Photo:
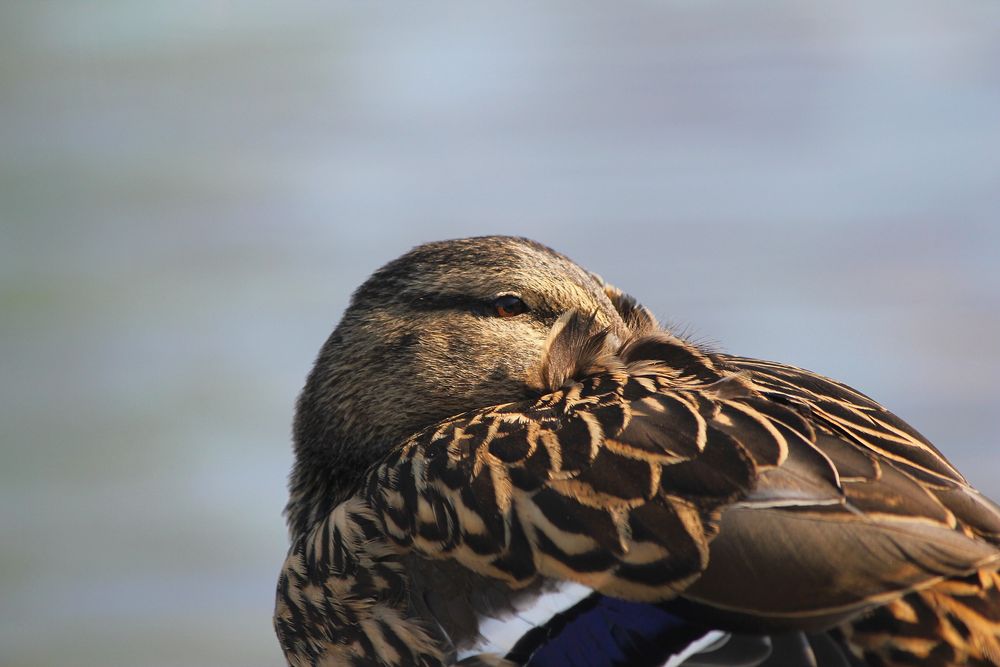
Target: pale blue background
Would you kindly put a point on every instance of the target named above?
(189, 193)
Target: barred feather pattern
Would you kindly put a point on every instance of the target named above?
(956, 622)
(953, 622)
(620, 478)
(341, 598)
(613, 481)
(878, 433)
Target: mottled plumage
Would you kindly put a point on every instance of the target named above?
(454, 465)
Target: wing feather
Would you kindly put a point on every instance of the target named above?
(608, 480)
(618, 478)
(654, 470)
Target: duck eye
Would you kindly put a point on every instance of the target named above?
(509, 305)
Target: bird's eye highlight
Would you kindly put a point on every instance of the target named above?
(509, 305)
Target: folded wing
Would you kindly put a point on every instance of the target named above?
(751, 492)
(622, 476)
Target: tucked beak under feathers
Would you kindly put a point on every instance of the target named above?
(493, 434)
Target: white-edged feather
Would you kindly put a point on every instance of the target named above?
(708, 642)
(499, 634)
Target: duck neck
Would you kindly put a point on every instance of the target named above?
(330, 460)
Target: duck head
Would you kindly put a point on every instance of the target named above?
(448, 327)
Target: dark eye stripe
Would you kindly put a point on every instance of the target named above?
(509, 305)
(431, 302)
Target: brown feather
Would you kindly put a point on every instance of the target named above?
(580, 441)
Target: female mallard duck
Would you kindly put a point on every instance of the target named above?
(501, 459)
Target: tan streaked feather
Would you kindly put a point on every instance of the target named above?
(764, 496)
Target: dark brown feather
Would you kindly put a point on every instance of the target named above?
(599, 448)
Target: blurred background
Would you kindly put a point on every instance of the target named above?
(190, 191)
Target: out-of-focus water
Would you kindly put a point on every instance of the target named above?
(189, 193)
